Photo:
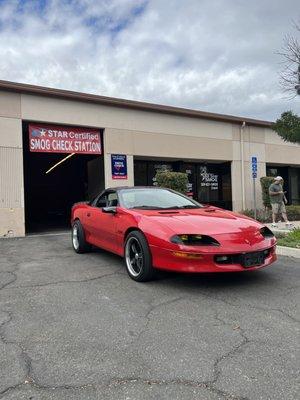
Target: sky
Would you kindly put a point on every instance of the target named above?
(211, 55)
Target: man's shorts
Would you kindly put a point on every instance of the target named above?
(278, 208)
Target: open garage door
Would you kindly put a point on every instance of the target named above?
(55, 179)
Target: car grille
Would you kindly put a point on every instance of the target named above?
(246, 260)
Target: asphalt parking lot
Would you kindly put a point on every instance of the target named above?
(76, 327)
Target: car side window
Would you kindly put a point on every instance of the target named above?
(107, 199)
(101, 201)
(112, 199)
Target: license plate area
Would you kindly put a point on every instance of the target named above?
(252, 259)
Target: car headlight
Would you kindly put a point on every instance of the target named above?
(266, 233)
(194, 240)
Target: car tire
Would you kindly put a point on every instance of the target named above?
(138, 259)
(78, 239)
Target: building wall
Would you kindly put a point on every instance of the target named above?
(134, 133)
(11, 166)
(38, 108)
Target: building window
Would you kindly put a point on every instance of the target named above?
(208, 183)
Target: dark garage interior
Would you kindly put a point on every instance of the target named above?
(49, 197)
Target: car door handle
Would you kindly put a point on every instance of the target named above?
(88, 214)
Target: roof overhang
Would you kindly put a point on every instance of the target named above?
(123, 103)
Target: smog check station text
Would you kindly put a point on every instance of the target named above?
(51, 139)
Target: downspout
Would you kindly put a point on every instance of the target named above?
(242, 165)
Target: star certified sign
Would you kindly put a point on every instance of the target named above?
(62, 139)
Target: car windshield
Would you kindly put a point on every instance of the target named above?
(156, 199)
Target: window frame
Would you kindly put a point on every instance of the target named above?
(105, 193)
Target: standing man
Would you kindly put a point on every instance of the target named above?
(278, 201)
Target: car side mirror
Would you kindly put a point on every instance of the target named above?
(109, 210)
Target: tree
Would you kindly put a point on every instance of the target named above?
(288, 125)
(290, 74)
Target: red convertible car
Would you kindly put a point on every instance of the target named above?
(158, 228)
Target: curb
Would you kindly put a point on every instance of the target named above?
(287, 251)
(281, 231)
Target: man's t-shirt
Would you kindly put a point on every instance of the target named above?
(276, 198)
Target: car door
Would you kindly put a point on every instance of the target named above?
(101, 225)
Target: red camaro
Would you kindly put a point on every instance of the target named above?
(157, 228)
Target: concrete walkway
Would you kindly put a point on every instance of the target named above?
(282, 228)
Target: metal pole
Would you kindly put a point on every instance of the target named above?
(242, 164)
(254, 198)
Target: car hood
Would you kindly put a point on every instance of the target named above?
(211, 221)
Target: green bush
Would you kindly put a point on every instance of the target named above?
(291, 240)
(262, 215)
(293, 212)
(265, 182)
(173, 180)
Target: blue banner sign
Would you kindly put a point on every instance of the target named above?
(118, 166)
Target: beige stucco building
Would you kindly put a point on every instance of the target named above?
(215, 150)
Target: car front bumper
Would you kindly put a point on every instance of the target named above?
(168, 259)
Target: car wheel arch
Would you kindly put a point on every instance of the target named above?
(82, 245)
(131, 229)
(77, 219)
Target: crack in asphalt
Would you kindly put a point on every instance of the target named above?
(182, 382)
(10, 272)
(25, 359)
(14, 275)
(292, 287)
(229, 303)
(5, 286)
(209, 385)
(151, 309)
(118, 381)
(216, 369)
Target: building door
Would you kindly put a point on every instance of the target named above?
(208, 184)
(140, 173)
(190, 169)
(295, 185)
(214, 184)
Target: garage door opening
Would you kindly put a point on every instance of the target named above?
(50, 196)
